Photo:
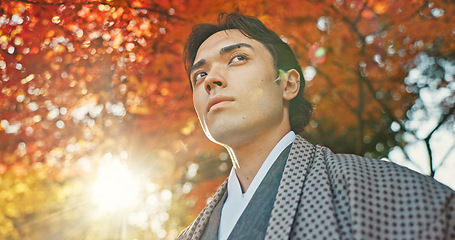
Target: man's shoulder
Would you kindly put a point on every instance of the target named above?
(195, 230)
(357, 170)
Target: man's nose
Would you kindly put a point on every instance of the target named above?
(214, 79)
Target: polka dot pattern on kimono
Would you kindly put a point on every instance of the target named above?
(298, 164)
(342, 196)
(350, 197)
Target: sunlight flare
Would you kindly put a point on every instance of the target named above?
(115, 186)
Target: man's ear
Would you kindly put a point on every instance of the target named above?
(292, 85)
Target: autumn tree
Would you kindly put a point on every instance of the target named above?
(91, 86)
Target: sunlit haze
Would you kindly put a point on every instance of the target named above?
(115, 186)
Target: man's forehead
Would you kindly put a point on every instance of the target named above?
(217, 41)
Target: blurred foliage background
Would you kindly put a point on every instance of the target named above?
(98, 136)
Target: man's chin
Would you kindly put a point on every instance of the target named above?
(224, 134)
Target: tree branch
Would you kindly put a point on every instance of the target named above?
(357, 19)
(359, 111)
(445, 117)
(427, 139)
(329, 80)
(430, 157)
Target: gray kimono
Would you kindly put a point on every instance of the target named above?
(322, 195)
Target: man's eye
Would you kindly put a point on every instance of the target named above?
(198, 76)
(238, 58)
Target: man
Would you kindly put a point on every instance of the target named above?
(248, 93)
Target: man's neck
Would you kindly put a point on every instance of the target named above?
(248, 158)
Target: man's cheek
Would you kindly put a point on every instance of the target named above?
(257, 93)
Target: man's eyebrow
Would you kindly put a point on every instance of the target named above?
(197, 65)
(222, 51)
(234, 46)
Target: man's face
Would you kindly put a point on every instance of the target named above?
(234, 90)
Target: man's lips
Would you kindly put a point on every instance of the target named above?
(216, 100)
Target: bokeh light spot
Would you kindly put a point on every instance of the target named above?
(3, 168)
(309, 73)
(437, 12)
(27, 79)
(317, 54)
(129, 47)
(324, 23)
(56, 19)
(395, 126)
(381, 8)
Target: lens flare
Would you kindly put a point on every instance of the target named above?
(115, 187)
(317, 54)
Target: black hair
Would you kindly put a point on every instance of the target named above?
(300, 109)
